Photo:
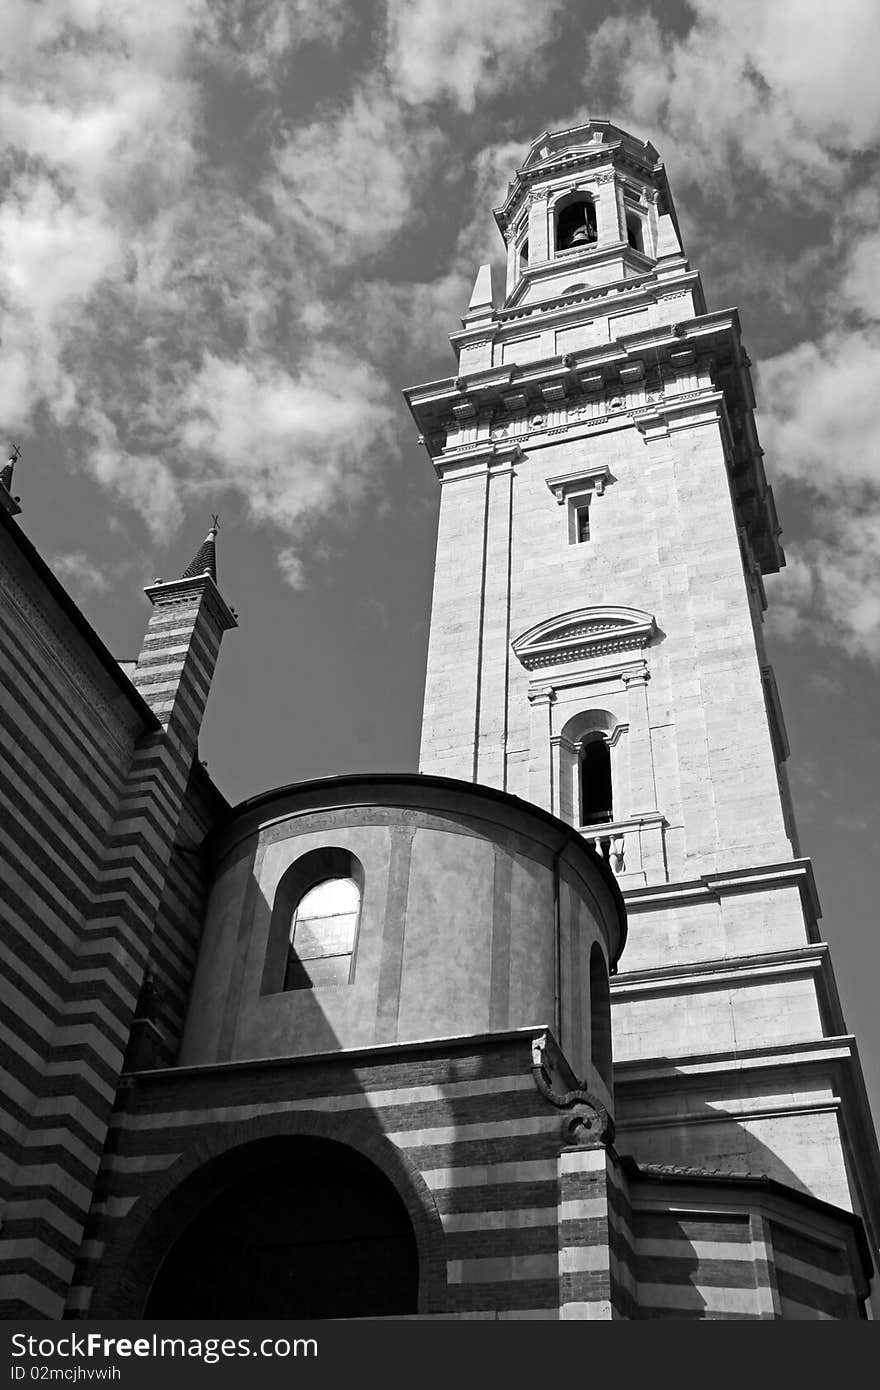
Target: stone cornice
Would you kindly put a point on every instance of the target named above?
(654, 345)
(564, 153)
(795, 873)
(180, 591)
(671, 979)
(581, 635)
(634, 379)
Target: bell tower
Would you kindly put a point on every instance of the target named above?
(597, 649)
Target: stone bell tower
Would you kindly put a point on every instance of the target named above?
(596, 648)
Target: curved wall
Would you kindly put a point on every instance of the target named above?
(461, 890)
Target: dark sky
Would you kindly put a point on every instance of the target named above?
(232, 230)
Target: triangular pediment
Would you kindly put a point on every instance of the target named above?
(585, 633)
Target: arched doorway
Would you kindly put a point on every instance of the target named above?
(309, 1229)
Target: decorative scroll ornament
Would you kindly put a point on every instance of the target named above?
(589, 1124)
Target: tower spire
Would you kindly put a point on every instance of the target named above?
(205, 559)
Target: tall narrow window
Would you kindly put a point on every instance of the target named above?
(576, 225)
(634, 232)
(600, 1015)
(322, 935)
(595, 774)
(582, 523)
(524, 255)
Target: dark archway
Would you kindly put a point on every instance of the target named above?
(309, 1229)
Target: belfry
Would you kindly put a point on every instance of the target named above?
(596, 648)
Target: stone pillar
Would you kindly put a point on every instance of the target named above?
(642, 788)
(491, 760)
(541, 788)
(539, 231)
(607, 212)
(596, 1280)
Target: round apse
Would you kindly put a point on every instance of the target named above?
(312, 1231)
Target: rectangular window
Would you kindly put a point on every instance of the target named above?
(582, 524)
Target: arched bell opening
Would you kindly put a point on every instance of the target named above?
(308, 1228)
(576, 225)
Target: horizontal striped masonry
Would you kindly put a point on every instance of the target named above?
(96, 808)
(472, 1125)
(175, 943)
(523, 1226)
(726, 1264)
(596, 1255)
(813, 1278)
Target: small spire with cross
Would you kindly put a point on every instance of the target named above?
(205, 559)
(7, 500)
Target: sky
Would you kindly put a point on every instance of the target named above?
(232, 230)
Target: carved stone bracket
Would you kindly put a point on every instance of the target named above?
(589, 1124)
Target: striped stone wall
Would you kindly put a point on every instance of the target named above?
(177, 934)
(735, 1247)
(512, 1219)
(476, 1148)
(95, 775)
(67, 731)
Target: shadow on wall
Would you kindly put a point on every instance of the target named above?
(308, 1123)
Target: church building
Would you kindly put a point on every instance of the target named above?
(544, 1030)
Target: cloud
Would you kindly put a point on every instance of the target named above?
(774, 86)
(351, 180)
(78, 572)
(153, 299)
(295, 446)
(765, 110)
(817, 426)
(256, 38)
(421, 314)
(466, 52)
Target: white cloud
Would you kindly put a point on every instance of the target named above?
(464, 51)
(350, 182)
(256, 38)
(818, 428)
(821, 399)
(78, 572)
(149, 297)
(295, 446)
(776, 85)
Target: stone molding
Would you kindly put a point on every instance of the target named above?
(585, 633)
(588, 478)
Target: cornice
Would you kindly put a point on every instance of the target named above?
(792, 873)
(186, 591)
(734, 970)
(583, 634)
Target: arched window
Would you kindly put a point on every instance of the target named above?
(600, 1015)
(634, 233)
(595, 780)
(524, 255)
(322, 935)
(576, 225)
